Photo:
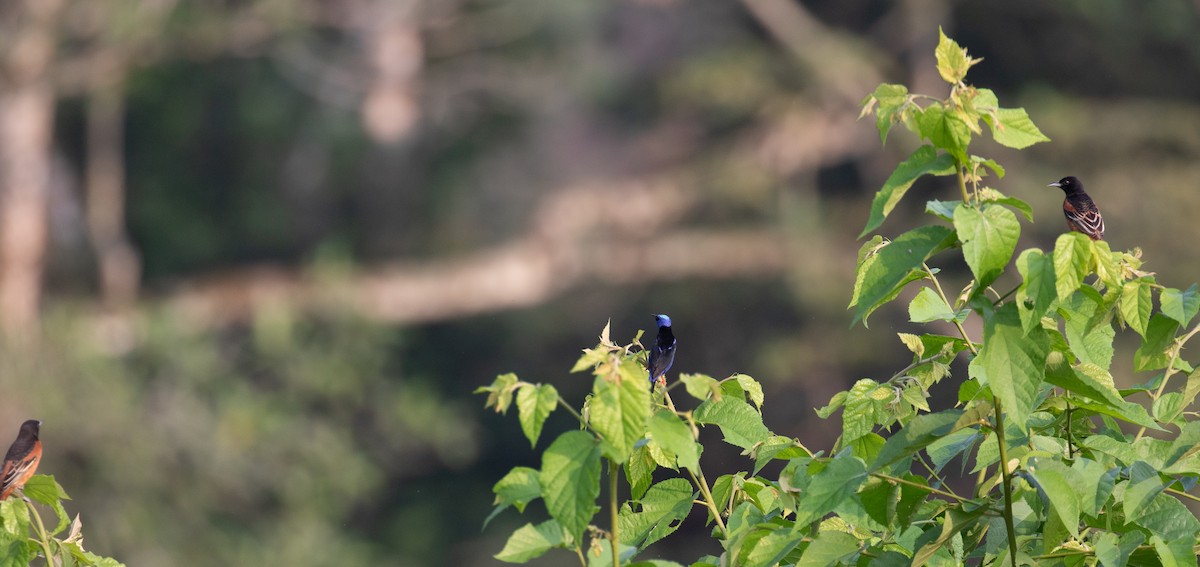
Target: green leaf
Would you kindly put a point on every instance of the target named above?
(1011, 127)
(956, 521)
(1185, 444)
(989, 238)
(740, 424)
(752, 389)
(570, 479)
(925, 160)
(893, 264)
(1169, 519)
(43, 488)
(1144, 484)
(1096, 384)
(891, 99)
(1175, 553)
(942, 209)
(830, 488)
(675, 436)
(1135, 305)
(535, 404)
(1152, 355)
(639, 471)
(700, 386)
(1013, 364)
(1115, 553)
(1093, 484)
(619, 408)
(1180, 305)
(1058, 484)
(777, 447)
(952, 60)
(1091, 344)
(769, 549)
(657, 514)
(518, 488)
(829, 548)
(946, 130)
(530, 541)
(918, 434)
(929, 306)
(1072, 261)
(864, 408)
(500, 393)
(1037, 291)
(17, 554)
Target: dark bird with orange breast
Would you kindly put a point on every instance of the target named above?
(22, 458)
(1082, 213)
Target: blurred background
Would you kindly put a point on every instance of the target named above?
(255, 255)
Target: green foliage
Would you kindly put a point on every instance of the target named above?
(1059, 481)
(24, 537)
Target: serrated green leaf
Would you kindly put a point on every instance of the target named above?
(891, 100)
(500, 393)
(570, 480)
(1185, 444)
(619, 408)
(768, 547)
(928, 306)
(1167, 407)
(1152, 354)
(1090, 344)
(863, 410)
(518, 488)
(956, 521)
(924, 161)
(918, 434)
(639, 471)
(1180, 305)
(1058, 483)
(1073, 261)
(892, 265)
(534, 404)
(946, 130)
(1013, 363)
(1037, 291)
(989, 238)
(1094, 484)
(952, 445)
(835, 403)
(530, 541)
(831, 487)
(1011, 127)
(675, 436)
(952, 60)
(1135, 305)
(657, 514)
(739, 422)
(942, 209)
(752, 389)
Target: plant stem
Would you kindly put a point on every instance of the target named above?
(962, 183)
(571, 411)
(1007, 478)
(612, 504)
(41, 528)
(582, 559)
(1179, 342)
(937, 285)
(1183, 494)
(934, 474)
(920, 486)
(708, 499)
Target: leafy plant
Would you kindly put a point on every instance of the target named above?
(24, 537)
(1064, 473)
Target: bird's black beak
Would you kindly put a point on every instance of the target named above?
(1055, 184)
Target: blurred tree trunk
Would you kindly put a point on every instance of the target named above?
(117, 260)
(26, 128)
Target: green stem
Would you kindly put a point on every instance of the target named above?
(962, 183)
(934, 474)
(571, 411)
(708, 498)
(1183, 494)
(1007, 478)
(920, 486)
(582, 559)
(1179, 342)
(41, 528)
(938, 286)
(613, 512)
(1070, 443)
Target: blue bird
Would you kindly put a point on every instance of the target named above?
(662, 354)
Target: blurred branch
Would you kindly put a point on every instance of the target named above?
(606, 234)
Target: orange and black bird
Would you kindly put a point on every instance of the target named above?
(1081, 212)
(22, 458)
